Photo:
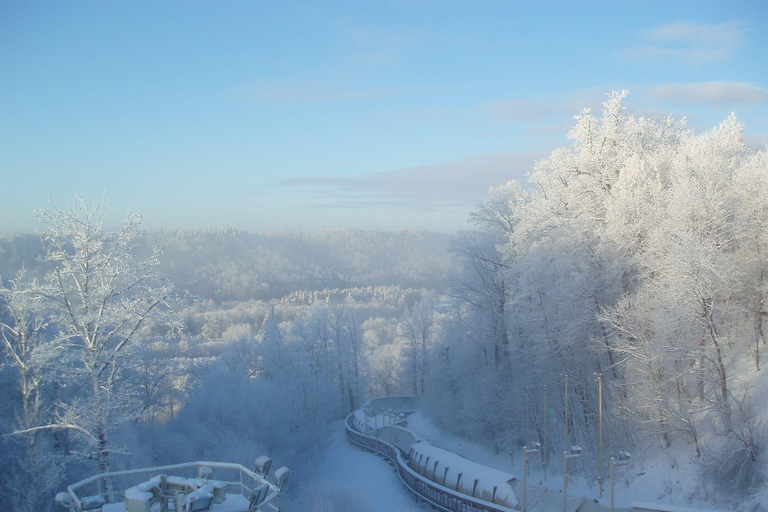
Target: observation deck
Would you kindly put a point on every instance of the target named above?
(201, 486)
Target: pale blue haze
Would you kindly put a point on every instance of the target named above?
(382, 115)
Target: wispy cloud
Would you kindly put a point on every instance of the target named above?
(691, 44)
(548, 116)
(544, 109)
(711, 93)
(535, 113)
(693, 34)
(460, 184)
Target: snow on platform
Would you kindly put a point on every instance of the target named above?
(233, 503)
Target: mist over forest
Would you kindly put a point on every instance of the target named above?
(639, 253)
(233, 265)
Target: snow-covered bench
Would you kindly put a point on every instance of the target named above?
(200, 500)
(144, 496)
(87, 503)
(141, 497)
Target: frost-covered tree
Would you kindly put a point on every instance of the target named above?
(99, 294)
(274, 359)
(415, 330)
(640, 255)
(35, 471)
(484, 287)
(699, 277)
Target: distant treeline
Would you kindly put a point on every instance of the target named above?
(232, 265)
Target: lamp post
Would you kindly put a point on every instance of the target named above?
(566, 412)
(546, 430)
(527, 423)
(575, 454)
(624, 458)
(599, 379)
(512, 437)
(535, 448)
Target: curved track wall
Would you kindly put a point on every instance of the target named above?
(437, 495)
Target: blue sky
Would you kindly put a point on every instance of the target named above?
(328, 115)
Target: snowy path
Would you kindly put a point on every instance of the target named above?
(350, 479)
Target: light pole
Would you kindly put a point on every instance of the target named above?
(527, 423)
(566, 412)
(599, 379)
(624, 458)
(535, 448)
(546, 431)
(575, 454)
(512, 436)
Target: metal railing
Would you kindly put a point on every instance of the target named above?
(235, 477)
(406, 404)
(437, 495)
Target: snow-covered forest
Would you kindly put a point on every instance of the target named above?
(637, 253)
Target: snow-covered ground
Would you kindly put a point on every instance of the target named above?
(348, 479)
(668, 479)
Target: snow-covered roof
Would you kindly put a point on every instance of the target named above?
(665, 507)
(487, 478)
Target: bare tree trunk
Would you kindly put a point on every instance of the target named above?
(720, 366)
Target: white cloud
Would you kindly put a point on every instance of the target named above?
(699, 35)
(691, 44)
(460, 184)
(711, 93)
(539, 113)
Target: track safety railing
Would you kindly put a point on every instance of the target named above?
(437, 495)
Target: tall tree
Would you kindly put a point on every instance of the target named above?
(36, 471)
(99, 294)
